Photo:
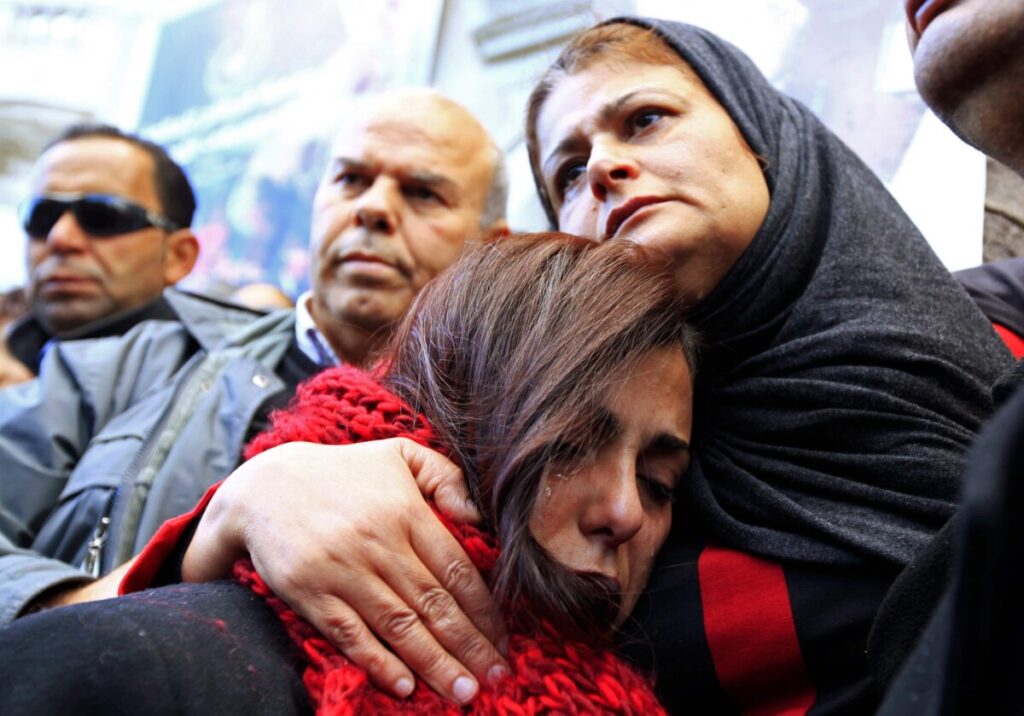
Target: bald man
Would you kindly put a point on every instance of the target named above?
(412, 176)
(125, 441)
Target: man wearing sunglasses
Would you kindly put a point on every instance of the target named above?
(107, 227)
(118, 435)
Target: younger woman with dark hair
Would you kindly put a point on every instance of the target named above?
(557, 373)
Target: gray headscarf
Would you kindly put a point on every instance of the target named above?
(846, 371)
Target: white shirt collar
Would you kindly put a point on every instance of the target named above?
(311, 342)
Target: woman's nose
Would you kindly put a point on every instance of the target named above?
(615, 513)
(610, 165)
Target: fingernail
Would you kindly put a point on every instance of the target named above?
(496, 673)
(464, 689)
(404, 687)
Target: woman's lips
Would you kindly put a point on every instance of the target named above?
(622, 213)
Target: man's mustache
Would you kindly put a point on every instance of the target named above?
(69, 266)
(367, 244)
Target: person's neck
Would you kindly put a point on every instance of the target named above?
(352, 344)
(1017, 165)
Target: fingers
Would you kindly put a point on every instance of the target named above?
(405, 631)
(454, 598)
(347, 631)
(361, 614)
(365, 561)
(440, 479)
(440, 552)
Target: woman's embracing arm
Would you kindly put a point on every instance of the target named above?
(345, 536)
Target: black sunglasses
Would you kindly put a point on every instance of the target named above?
(100, 215)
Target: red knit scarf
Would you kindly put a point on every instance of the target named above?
(547, 673)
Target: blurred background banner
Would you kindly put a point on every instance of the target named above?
(245, 94)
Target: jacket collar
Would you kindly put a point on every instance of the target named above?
(27, 339)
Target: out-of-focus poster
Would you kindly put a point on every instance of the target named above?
(245, 94)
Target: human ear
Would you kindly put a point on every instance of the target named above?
(497, 230)
(180, 256)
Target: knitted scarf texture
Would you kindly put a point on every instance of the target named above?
(548, 674)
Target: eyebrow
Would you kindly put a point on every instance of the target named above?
(606, 426)
(430, 179)
(349, 163)
(665, 442)
(570, 143)
(420, 178)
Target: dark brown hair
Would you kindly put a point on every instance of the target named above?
(614, 42)
(508, 353)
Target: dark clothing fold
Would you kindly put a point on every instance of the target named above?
(199, 649)
(970, 659)
(846, 371)
(998, 289)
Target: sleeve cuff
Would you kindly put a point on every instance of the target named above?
(168, 541)
(26, 576)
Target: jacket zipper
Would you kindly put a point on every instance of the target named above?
(91, 563)
(187, 396)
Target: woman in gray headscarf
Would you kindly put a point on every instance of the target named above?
(845, 374)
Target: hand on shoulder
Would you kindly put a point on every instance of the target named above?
(344, 535)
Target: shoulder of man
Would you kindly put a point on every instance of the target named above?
(116, 370)
(210, 320)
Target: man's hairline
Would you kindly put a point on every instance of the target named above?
(153, 168)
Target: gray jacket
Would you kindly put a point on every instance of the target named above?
(119, 434)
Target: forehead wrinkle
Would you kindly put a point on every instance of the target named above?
(454, 141)
(409, 131)
(351, 163)
(127, 171)
(608, 111)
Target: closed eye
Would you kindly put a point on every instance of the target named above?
(657, 491)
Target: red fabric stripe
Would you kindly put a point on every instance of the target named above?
(1014, 342)
(749, 626)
